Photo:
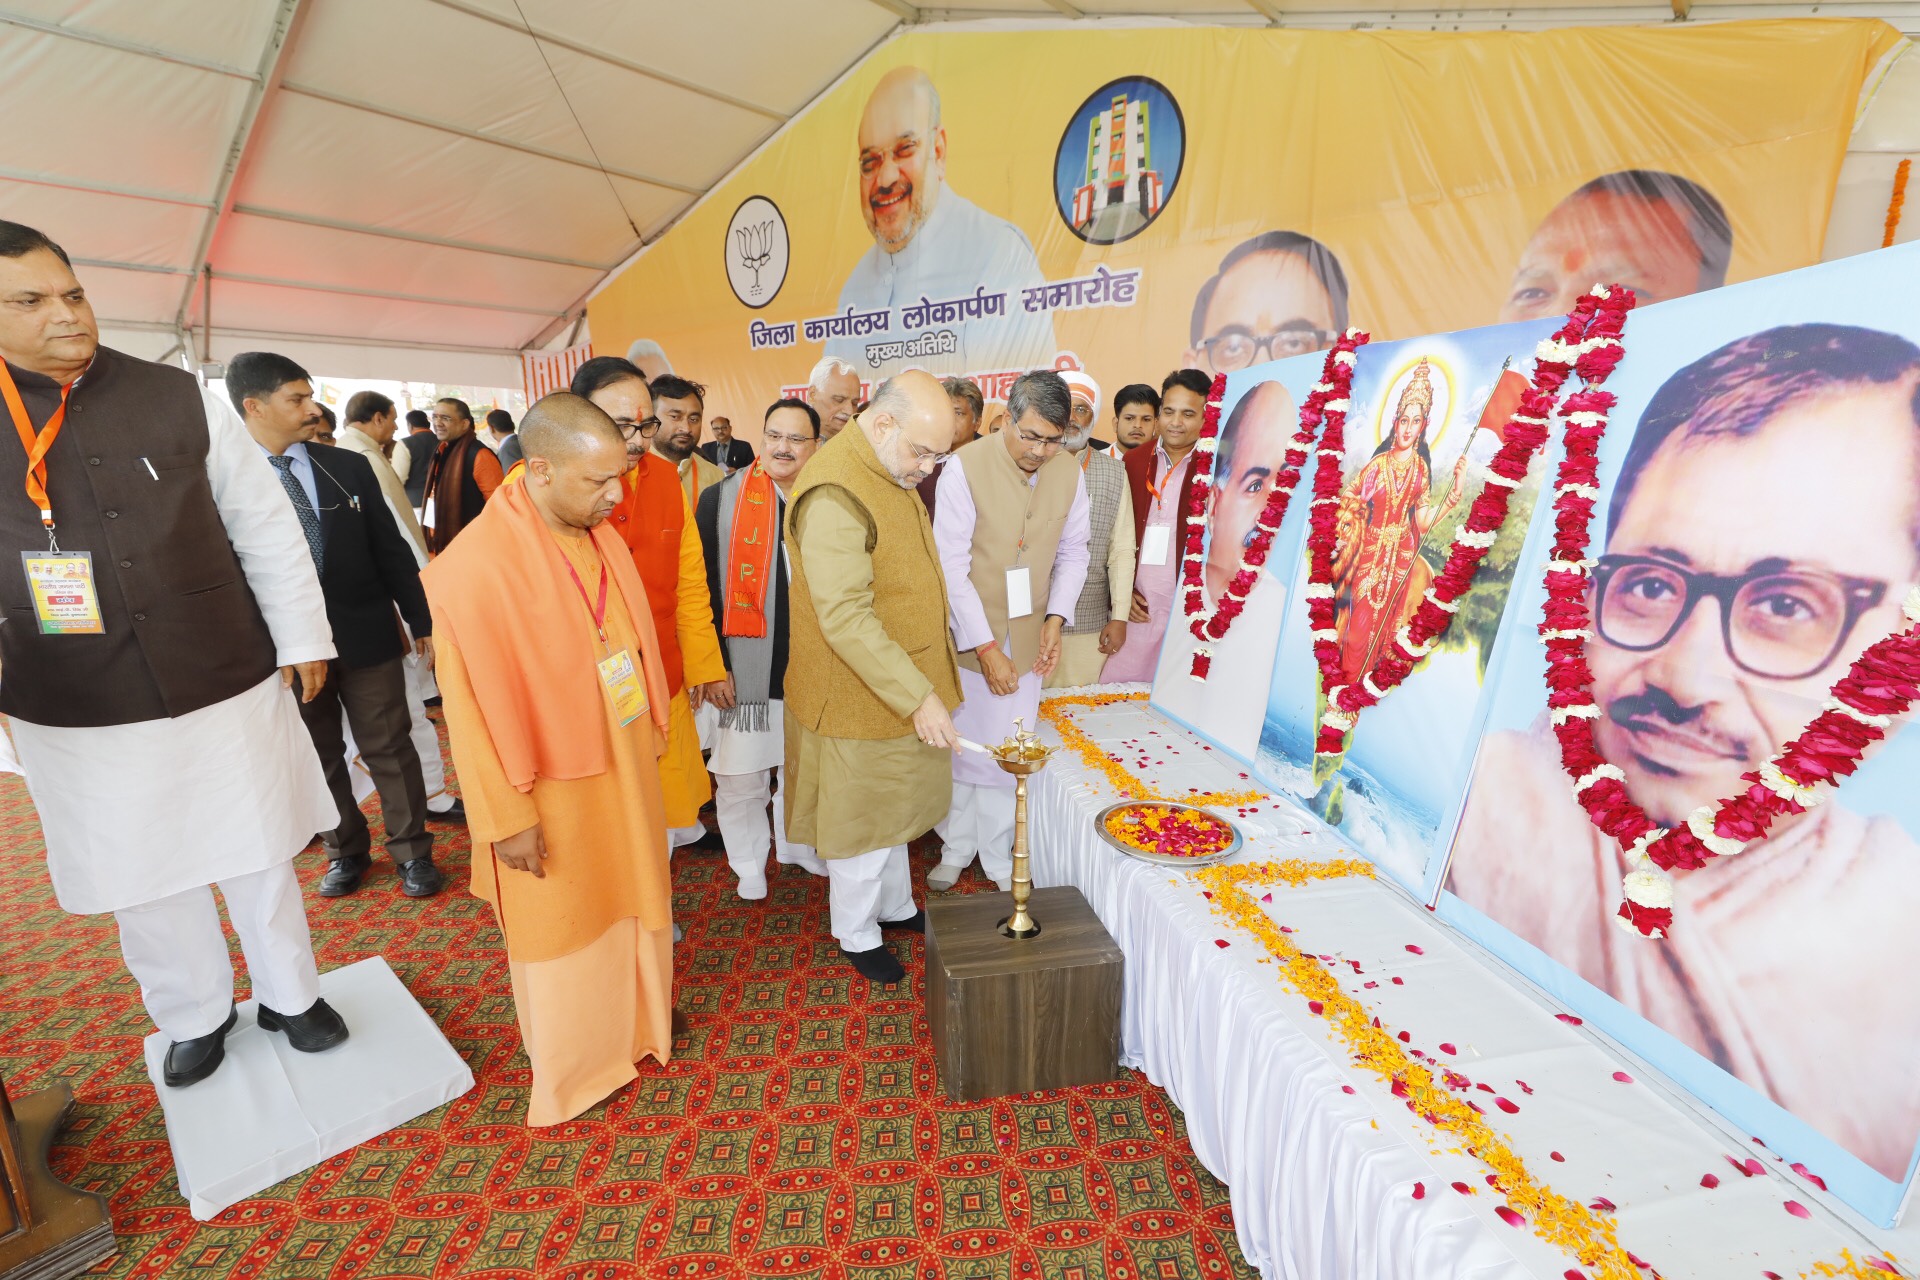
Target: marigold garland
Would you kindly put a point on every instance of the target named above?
(1054, 711)
(1559, 1221)
(1897, 203)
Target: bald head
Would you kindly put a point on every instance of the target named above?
(903, 156)
(562, 426)
(575, 457)
(910, 424)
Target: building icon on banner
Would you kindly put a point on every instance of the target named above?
(1122, 191)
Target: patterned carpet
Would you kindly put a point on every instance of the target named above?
(798, 1132)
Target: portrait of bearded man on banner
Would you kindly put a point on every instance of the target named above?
(1385, 514)
(1762, 532)
(931, 244)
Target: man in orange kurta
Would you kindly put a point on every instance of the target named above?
(654, 520)
(556, 706)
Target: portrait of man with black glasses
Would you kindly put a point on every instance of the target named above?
(1761, 534)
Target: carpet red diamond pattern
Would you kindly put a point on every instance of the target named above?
(798, 1132)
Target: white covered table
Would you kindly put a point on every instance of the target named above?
(1321, 1158)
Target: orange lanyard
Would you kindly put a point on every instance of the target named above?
(597, 608)
(693, 483)
(36, 444)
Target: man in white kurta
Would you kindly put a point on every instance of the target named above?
(740, 521)
(931, 246)
(163, 751)
(1011, 520)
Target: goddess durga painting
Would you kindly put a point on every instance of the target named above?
(1385, 513)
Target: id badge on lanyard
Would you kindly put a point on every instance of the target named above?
(65, 602)
(622, 679)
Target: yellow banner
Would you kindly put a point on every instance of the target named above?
(984, 203)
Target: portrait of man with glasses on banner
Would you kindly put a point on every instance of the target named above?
(1762, 532)
(1279, 294)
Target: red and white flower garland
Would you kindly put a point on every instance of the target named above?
(1326, 402)
(1583, 342)
(1881, 685)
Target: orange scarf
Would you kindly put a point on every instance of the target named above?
(501, 591)
(750, 556)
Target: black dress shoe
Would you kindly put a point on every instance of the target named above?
(915, 923)
(191, 1061)
(456, 815)
(877, 965)
(434, 701)
(713, 842)
(419, 878)
(310, 1032)
(344, 876)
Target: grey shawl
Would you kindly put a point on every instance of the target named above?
(751, 657)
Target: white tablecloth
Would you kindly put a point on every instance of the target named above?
(1322, 1179)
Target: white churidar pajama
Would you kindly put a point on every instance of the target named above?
(866, 891)
(979, 823)
(744, 766)
(175, 949)
(140, 818)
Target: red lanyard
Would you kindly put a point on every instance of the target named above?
(36, 445)
(598, 608)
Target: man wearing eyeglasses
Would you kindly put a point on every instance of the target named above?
(1760, 536)
(1279, 294)
(1012, 526)
(740, 521)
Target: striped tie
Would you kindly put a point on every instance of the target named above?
(309, 521)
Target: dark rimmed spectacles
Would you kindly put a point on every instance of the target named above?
(1238, 347)
(629, 428)
(1776, 621)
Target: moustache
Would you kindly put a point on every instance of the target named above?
(1632, 711)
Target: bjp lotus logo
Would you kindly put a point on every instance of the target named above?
(756, 252)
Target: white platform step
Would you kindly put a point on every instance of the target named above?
(270, 1112)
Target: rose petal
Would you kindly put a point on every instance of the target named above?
(1600, 1204)
(1809, 1175)
(1557, 1156)
(1346, 1088)
(1623, 1077)
(1797, 1209)
(1419, 1191)
(1315, 1007)
(1709, 1180)
(1510, 1108)
(1881, 1264)
(1463, 1188)
(1524, 1086)
(1573, 1273)
(1396, 982)
(1417, 951)
(1509, 1217)
(1447, 1048)
(1221, 942)
(1568, 1018)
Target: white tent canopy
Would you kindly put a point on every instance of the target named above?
(423, 189)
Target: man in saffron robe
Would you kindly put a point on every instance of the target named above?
(558, 757)
(653, 519)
